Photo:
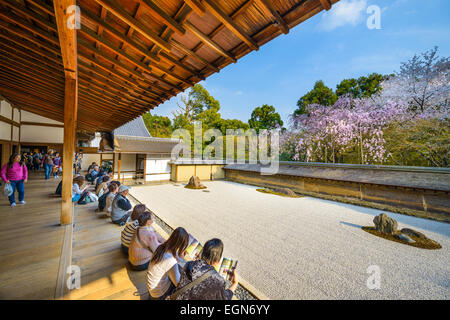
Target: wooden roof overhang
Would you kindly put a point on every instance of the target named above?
(132, 55)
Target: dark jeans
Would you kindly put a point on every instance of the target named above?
(123, 220)
(169, 292)
(18, 184)
(124, 249)
(141, 267)
(48, 169)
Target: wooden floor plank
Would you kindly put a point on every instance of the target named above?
(30, 242)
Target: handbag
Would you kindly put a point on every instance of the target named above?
(8, 190)
(190, 285)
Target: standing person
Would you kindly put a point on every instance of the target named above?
(57, 164)
(47, 163)
(163, 273)
(213, 287)
(37, 161)
(16, 173)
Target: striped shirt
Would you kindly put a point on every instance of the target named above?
(128, 232)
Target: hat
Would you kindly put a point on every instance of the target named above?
(123, 188)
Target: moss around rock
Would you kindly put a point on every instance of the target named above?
(284, 192)
(418, 242)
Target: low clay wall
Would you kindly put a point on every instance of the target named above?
(418, 191)
(206, 170)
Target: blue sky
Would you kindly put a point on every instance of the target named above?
(331, 46)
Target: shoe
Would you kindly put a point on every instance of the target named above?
(13, 205)
(22, 202)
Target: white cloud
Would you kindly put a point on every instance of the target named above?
(239, 93)
(342, 13)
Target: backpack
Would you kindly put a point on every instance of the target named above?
(59, 189)
(102, 201)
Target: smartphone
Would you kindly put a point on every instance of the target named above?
(231, 271)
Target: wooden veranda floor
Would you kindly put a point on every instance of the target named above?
(35, 250)
(31, 242)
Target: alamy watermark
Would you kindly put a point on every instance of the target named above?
(74, 17)
(236, 146)
(374, 19)
(374, 280)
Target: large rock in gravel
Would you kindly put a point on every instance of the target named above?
(286, 191)
(413, 233)
(384, 223)
(194, 183)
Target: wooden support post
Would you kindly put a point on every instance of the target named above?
(70, 115)
(68, 43)
(119, 161)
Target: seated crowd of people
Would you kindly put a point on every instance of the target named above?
(169, 275)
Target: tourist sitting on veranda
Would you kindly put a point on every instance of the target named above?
(102, 186)
(130, 227)
(92, 174)
(163, 273)
(121, 206)
(91, 166)
(77, 188)
(113, 188)
(211, 288)
(143, 243)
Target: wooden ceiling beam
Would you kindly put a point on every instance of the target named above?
(203, 37)
(161, 15)
(118, 35)
(42, 6)
(98, 77)
(14, 19)
(197, 6)
(141, 76)
(110, 93)
(122, 77)
(119, 12)
(28, 36)
(23, 44)
(229, 23)
(122, 53)
(29, 56)
(29, 14)
(326, 4)
(276, 15)
(191, 53)
(67, 37)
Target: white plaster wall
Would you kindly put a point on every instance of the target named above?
(158, 166)
(31, 117)
(88, 158)
(16, 116)
(5, 131)
(15, 133)
(6, 110)
(157, 169)
(41, 134)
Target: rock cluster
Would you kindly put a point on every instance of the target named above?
(286, 191)
(386, 224)
(194, 183)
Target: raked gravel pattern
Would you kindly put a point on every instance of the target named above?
(306, 248)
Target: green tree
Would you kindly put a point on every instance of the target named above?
(265, 117)
(158, 126)
(320, 94)
(363, 87)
